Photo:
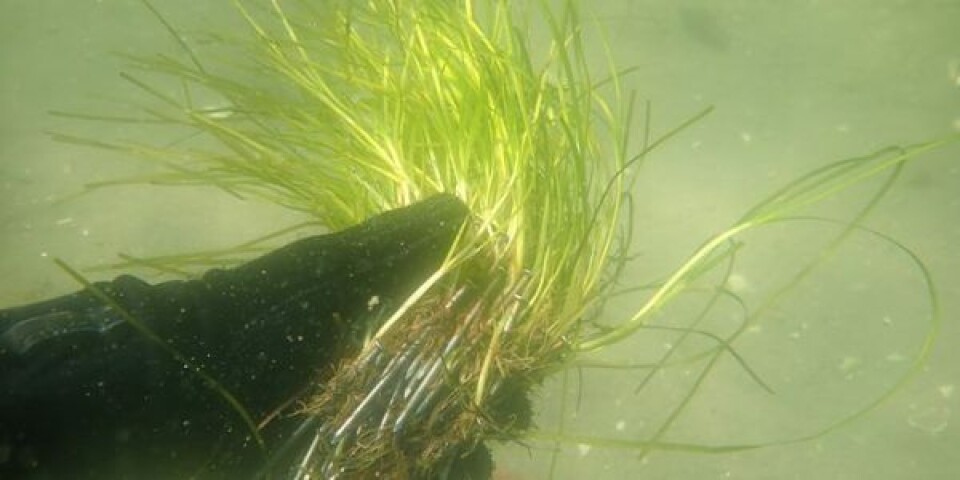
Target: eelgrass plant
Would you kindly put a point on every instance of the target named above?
(368, 106)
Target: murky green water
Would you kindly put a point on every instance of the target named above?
(796, 84)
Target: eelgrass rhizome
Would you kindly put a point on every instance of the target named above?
(345, 109)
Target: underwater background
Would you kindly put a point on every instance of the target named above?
(796, 84)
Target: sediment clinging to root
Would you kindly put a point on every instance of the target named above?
(407, 404)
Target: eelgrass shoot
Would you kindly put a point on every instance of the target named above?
(369, 106)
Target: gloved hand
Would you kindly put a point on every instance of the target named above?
(84, 394)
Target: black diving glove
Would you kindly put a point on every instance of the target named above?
(85, 394)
